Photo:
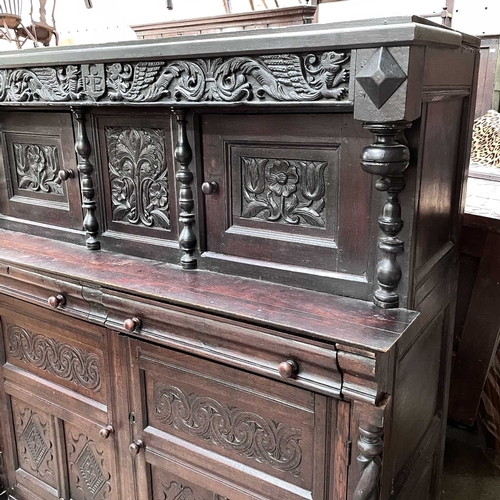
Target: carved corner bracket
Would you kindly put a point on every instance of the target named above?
(388, 158)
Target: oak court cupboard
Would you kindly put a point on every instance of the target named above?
(228, 263)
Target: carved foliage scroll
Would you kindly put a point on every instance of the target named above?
(274, 77)
(63, 360)
(34, 442)
(88, 474)
(37, 167)
(242, 432)
(138, 176)
(285, 191)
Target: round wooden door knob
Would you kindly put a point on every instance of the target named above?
(288, 368)
(132, 324)
(105, 432)
(136, 447)
(210, 187)
(56, 300)
(64, 175)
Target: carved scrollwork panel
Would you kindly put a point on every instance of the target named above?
(301, 77)
(284, 191)
(63, 360)
(37, 166)
(138, 176)
(245, 433)
(89, 476)
(35, 442)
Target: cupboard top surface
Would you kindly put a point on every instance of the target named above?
(313, 314)
(402, 30)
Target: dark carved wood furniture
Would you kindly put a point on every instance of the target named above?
(228, 263)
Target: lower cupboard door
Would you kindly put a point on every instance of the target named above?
(206, 431)
(57, 459)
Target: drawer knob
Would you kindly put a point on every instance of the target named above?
(132, 324)
(210, 187)
(105, 432)
(136, 447)
(64, 175)
(56, 300)
(288, 368)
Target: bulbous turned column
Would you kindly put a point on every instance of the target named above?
(85, 167)
(370, 447)
(388, 158)
(184, 155)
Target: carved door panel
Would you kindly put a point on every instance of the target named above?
(35, 148)
(279, 212)
(207, 431)
(138, 184)
(57, 406)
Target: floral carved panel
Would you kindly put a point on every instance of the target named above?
(243, 432)
(89, 477)
(284, 191)
(37, 167)
(63, 360)
(138, 176)
(35, 440)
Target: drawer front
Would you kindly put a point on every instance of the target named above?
(258, 350)
(204, 425)
(57, 349)
(36, 146)
(292, 202)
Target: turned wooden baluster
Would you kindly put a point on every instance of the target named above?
(85, 167)
(370, 446)
(184, 155)
(388, 158)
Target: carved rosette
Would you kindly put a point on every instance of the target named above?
(138, 176)
(299, 77)
(370, 446)
(285, 191)
(388, 157)
(242, 432)
(63, 360)
(37, 166)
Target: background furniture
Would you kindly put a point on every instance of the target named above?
(247, 312)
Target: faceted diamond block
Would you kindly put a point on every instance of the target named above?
(34, 441)
(90, 471)
(381, 76)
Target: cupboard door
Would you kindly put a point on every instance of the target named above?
(36, 147)
(57, 409)
(292, 203)
(211, 431)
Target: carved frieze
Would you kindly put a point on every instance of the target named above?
(63, 360)
(285, 191)
(274, 77)
(245, 433)
(37, 166)
(138, 176)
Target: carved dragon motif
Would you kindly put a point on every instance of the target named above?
(272, 78)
